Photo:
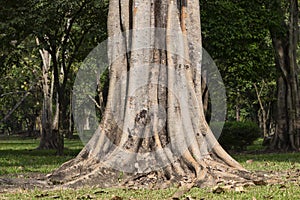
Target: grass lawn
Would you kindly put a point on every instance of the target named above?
(18, 156)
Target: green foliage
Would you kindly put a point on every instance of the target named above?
(21, 78)
(69, 30)
(239, 135)
(236, 35)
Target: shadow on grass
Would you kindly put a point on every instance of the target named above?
(273, 157)
(23, 161)
(19, 156)
(269, 161)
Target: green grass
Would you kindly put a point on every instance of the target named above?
(18, 156)
(270, 162)
(279, 192)
(90, 193)
(257, 145)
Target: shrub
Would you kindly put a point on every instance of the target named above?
(238, 135)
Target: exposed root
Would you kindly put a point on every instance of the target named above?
(97, 175)
(153, 150)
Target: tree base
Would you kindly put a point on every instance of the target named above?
(82, 171)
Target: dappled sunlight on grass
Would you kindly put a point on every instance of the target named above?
(20, 156)
(268, 162)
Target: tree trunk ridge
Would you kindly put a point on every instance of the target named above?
(153, 130)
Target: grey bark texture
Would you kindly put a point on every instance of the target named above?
(133, 122)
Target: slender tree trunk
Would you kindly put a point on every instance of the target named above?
(237, 106)
(55, 124)
(263, 117)
(237, 112)
(153, 130)
(70, 131)
(7, 116)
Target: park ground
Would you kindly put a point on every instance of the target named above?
(19, 160)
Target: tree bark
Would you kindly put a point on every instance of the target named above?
(285, 42)
(154, 129)
(49, 138)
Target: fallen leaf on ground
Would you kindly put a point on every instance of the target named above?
(85, 197)
(268, 197)
(189, 198)
(101, 192)
(116, 198)
(259, 182)
(41, 195)
(282, 187)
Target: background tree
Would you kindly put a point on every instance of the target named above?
(61, 33)
(60, 45)
(285, 38)
(241, 45)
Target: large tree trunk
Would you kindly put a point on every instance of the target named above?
(154, 128)
(287, 134)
